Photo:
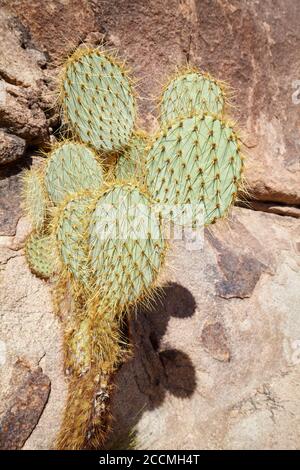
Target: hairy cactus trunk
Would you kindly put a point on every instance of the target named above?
(86, 420)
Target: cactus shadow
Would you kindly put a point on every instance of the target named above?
(153, 371)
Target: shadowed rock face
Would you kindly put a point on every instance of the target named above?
(216, 358)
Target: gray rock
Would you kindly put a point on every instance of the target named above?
(11, 147)
(180, 376)
(21, 114)
(10, 195)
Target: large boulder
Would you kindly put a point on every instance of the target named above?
(238, 41)
(217, 357)
(56, 26)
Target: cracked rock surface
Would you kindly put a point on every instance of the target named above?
(217, 358)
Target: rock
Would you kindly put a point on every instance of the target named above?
(215, 342)
(238, 272)
(180, 376)
(291, 211)
(24, 85)
(26, 110)
(204, 395)
(10, 192)
(238, 41)
(30, 393)
(57, 27)
(17, 67)
(29, 331)
(10, 196)
(248, 52)
(252, 422)
(17, 241)
(21, 114)
(11, 147)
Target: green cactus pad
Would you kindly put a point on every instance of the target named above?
(126, 245)
(191, 92)
(35, 198)
(72, 167)
(131, 163)
(70, 230)
(40, 254)
(196, 160)
(98, 100)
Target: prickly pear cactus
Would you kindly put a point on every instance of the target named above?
(69, 229)
(40, 254)
(98, 100)
(35, 201)
(127, 247)
(196, 160)
(127, 250)
(189, 92)
(106, 246)
(131, 163)
(71, 167)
